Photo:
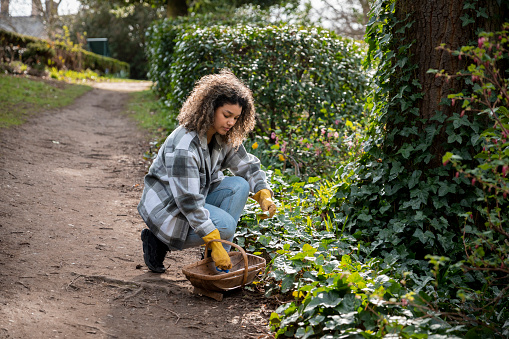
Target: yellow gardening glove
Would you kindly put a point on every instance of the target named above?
(219, 254)
(263, 197)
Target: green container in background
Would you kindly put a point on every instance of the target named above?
(99, 46)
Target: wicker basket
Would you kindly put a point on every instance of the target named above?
(208, 281)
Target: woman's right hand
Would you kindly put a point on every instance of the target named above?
(219, 254)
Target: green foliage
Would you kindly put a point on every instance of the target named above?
(307, 83)
(124, 28)
(59, 54)
(147, 110)
(164, 35)
(21, 97)
(487, 245)
(317, 152)
(396, 197)
(439, 242)
(327, 281)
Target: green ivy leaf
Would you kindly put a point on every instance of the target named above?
(405, 151)
(414, 179)
(364, 217)
(446, 187)
(424, 237)
(454, 138)
(466, 20)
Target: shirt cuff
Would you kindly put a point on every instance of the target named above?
(205, 228)
(262, 186)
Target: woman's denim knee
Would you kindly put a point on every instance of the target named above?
(230, 225)
(242, 186)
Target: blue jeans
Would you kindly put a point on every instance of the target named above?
(225, 204)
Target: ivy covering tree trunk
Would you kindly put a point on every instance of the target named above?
(454, 23)
(418, 202)
(403, 201)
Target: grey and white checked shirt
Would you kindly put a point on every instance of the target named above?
(180, 178)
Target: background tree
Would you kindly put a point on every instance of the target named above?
(463, 20)
(124, 27)
(346, 17)
(124, 23)
(176, 8)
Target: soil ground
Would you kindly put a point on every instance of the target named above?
(70, 251)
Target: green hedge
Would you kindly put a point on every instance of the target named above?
(163, 35)
(297, 75)
(35, 51)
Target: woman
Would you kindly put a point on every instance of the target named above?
(187, 201)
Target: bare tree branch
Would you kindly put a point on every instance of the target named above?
(346, 17)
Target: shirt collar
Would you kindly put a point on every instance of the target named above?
(203, 140)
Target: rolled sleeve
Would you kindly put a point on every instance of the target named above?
(246, 165)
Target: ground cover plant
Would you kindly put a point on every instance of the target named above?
(25, 96)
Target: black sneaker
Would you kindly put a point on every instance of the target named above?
(154, 251)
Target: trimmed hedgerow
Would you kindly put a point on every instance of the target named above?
(293, 72)
(307, 82)
(36, 51)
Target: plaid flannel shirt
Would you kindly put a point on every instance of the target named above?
(180, 178)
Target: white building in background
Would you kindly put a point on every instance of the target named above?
(32, 25)
(26, 25)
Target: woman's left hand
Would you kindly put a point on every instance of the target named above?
(264, 198)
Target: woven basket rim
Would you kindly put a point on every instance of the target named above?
(188, 270)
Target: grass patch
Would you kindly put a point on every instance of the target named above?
(150, 114)
(22, 97)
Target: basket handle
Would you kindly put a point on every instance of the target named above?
(244, 255)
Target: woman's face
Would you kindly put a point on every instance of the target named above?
(225, 117)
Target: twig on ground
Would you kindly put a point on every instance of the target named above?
(72, 282)
(134, 294)
(93, 328)
(172, 312)
(25, 286)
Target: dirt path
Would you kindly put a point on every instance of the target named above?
(71, 261)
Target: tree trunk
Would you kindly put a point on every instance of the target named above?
(4, 8)
(440, 22)
(175, 8)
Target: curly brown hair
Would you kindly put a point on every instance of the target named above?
(211, 92)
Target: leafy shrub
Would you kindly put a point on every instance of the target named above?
(163, 36)
(315, 151)
(38, 52)
(304, 81)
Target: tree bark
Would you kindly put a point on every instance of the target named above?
(176, 8)
(4, 8)
(439, 22)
